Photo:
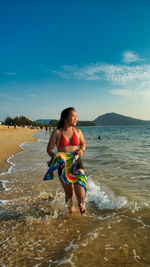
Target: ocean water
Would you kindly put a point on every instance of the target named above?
(35, 227)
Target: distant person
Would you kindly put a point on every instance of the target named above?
(68, 140)
(99, 137)
(46, 128)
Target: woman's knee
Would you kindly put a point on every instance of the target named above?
(79, 191)
(69, 191)
(69, 194)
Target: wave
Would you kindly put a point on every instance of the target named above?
(101, 200)
(10, 168)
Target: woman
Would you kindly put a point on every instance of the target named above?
(68, 139)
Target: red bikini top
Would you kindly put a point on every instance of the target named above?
(73, 142)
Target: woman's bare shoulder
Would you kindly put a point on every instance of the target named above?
(78, 131)
(56, 132)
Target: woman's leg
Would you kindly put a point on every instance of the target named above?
(80, 195)
(69, 193)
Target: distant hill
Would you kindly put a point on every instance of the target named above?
(110, 119)
(55, 122)
(85, 123)
(43, 121)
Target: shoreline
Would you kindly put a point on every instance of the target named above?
(10, 143)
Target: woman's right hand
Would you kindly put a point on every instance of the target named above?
(52, 153)
(77, 156)
(51, 144)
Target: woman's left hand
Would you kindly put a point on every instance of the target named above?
(79, 152)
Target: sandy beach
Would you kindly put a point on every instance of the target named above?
(10, 139)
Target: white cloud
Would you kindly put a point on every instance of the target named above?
(122, 75)
(130, 93)
(11, 73)
(9, 97)
(32, 96)
(90, 72)
(130, 57)
(132, 80)
(117, 74)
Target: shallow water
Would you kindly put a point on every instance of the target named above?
(35, 228)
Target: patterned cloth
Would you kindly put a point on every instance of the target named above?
(69, 175)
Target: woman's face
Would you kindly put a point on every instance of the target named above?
(72, 118)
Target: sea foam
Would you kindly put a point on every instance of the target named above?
(101, 200)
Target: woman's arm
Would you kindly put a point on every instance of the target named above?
(52, 143)
(82, 144)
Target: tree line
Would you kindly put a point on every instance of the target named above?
(23, 121)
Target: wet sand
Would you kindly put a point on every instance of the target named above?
(10, 139)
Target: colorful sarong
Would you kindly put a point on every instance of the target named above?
(69, 175)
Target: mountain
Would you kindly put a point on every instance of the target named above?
(43, 121)
(54, 123)
(85, 123)
(110, 119)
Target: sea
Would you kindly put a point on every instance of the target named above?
(35, 227)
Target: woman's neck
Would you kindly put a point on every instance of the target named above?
(68, 128)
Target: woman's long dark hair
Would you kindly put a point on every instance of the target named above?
(64, 115)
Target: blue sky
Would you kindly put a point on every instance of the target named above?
(92, 55)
